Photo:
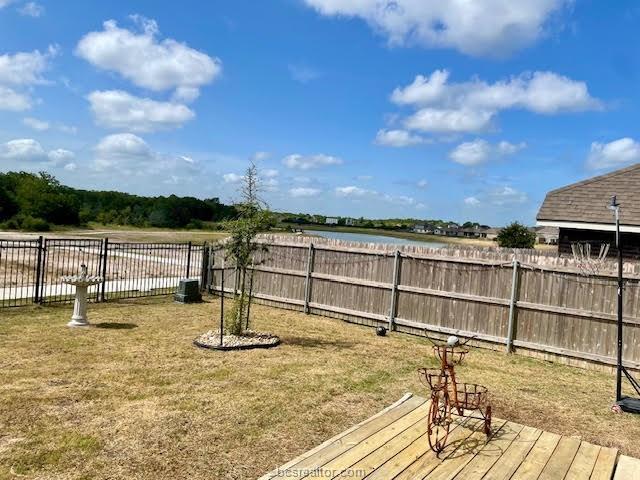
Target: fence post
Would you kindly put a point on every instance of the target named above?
(36, 294)
(513, 306)
(394, 290)
(307, 280)
(204, 270)
(222, 301)
(103, 285)
(189, 260)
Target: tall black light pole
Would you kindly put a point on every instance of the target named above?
(623, 404)
(615, 206)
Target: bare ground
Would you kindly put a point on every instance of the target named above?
(133, 398)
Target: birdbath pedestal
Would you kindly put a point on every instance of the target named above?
(82, 282)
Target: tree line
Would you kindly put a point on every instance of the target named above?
(37, 201)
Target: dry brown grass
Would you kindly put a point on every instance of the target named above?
(124, 234)
(144, 403)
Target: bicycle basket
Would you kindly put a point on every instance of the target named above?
(434, 378)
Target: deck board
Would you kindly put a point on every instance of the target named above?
(393, 444)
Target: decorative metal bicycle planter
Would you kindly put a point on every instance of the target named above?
(448, 397)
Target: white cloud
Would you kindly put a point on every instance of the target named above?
(120, 110)
(4, 3)
(613, 154)
(506, 148)
(71, 167)
(13, 101)
(307, 162)
(352, 191)
(31, 9)
(121, 151)
(123, 156)
(259, 156)
(358, 193)
(303, 73)
(503, 196)
(30, 150)
(270, 173)
(494, 28)
(540, 92)
(22, 70)
(60, 155)
(472, 201)
(480, 151)
(506, 196)
(471, 106)
(403, 200)
(449, 120)
(25, 68)
(36, 124)
(23, 149)
(422, 183)
(232, 178)
(147, 61)
(398, 138)
(304, 192)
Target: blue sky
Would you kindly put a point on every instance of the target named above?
(405, 108)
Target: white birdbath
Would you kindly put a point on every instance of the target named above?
(82, 283)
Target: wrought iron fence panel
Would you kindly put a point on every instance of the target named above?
(31, 270)
(65, 257)
(148, 269)
(19, 273)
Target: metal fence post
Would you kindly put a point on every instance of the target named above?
(36, 293)
(513, 303)
(222, 301)
(189, 260)
(105, 254)
(394, 290)
(307, 280)
(204, 264)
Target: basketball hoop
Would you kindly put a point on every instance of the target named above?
(587, 261)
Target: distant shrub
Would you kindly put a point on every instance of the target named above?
(34, 224)
(516, 235)
(195, 224)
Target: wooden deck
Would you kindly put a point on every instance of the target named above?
(393, 445)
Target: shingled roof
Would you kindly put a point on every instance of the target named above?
(587, 201)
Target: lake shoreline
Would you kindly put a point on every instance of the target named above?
(417, 237)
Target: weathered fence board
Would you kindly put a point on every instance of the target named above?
(557, 312)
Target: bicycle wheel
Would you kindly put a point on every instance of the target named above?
(439, 422)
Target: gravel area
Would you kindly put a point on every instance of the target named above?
(249, 339)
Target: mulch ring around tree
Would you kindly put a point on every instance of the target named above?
(248, 339)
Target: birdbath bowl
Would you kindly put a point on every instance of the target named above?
(82, 282)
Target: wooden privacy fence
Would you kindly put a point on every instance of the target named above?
(535, 304)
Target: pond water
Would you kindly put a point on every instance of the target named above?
(366, 238)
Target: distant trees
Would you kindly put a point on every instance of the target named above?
(33, 201)
(516, 235)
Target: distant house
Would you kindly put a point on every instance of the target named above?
(477, 231)
(439, 231)
(491, 233)
(349, 222)
(422, 228)
(331, 221)
(547, 235)
(580, 212)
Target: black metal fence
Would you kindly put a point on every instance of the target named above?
(31, 270)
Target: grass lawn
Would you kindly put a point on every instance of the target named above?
(133, 398)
